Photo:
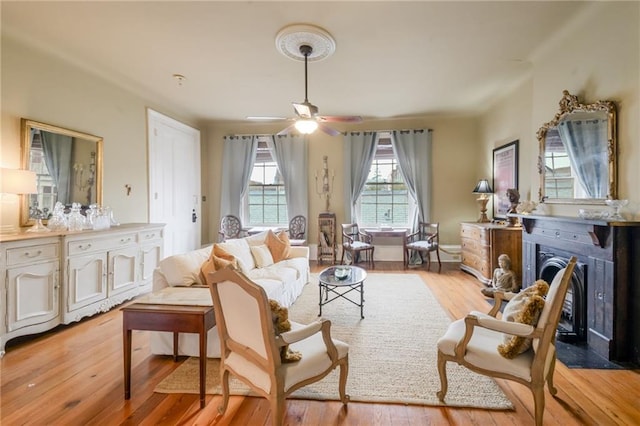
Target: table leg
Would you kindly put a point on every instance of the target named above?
(362, 300)
(320, 299)
(127, 360)
(175, 345)
(203, 363)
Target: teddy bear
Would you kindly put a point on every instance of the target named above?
(525, 307)
(281, 324)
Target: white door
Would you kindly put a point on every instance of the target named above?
(174, 181)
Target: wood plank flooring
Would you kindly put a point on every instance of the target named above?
(73, 375)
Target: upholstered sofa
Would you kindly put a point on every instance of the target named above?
(178, 280)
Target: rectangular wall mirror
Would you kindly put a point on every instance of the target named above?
(68, 165)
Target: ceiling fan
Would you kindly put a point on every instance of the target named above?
(308, 119)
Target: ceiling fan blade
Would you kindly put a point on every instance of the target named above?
(328, 130)
(286, 130)
(340, 118)
(265, 118)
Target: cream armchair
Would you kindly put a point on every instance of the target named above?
(473, 341)
(251, 350)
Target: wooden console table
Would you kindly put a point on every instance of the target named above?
(172, 318)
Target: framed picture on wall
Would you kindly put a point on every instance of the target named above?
(505, 176)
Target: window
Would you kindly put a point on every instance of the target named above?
(385, 200)
(558, 181)
(266, 202)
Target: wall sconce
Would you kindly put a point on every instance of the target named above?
(327, 185)
(484, 189)
(17, 182)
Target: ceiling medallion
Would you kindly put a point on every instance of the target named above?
(290, 38)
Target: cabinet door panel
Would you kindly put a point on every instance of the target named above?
(123, 270)
(32, 295)
(86, 280)
(150, 258)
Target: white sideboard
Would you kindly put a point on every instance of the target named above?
(48, 279)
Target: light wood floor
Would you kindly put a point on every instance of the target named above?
(74, 376)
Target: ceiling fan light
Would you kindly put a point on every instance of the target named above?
(306, 126)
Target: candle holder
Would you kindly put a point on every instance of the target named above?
(326, 184)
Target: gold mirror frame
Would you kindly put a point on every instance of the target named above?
(26, 130)
(569, 104)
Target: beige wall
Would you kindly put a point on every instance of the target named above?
(455, 152)
(596, 57)
(46, 89)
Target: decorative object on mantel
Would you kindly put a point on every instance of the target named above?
(617, 206)
(327, 186)
(514, 198)
(526, 207)
(484, 189)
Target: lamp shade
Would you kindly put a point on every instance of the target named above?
(483, 187)
(306, 126)
(14, 181)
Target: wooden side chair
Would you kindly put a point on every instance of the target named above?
(250, 349)
(230, 227)
(473, 341)
(297, 227)
(423, 241)
(356, 242)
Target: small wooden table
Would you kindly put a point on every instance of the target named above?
(173, 318)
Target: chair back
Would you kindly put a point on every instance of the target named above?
(230, 226)
(429, 231)
(243, 319)
(297, 227)
(550, 315)
(350, 233)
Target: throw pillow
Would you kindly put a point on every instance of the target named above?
(219, 259)
(261, 255)
(279, 245)
(184, 269)
(240, 249)
(524, 308)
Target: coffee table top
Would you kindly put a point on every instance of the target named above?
(356, 276)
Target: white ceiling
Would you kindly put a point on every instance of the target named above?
(393, 59)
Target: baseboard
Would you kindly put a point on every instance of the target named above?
(387, 253)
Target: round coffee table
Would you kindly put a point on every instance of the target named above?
(339, 288)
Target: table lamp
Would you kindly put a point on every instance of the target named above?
(17, 182)
(484, 189)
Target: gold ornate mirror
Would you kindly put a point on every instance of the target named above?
(68, 165)
(577, 161)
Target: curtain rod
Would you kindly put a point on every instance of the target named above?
(342, 133)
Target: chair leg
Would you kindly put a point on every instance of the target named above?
(442, 371)
(342, 257)
(373, 265)
(224, 383)
(405, 256)
(342, 386)
(552, 389)
(278, 405)
(428, 261)
(439, 263)
(538, 402)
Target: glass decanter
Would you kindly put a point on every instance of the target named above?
(617, 206)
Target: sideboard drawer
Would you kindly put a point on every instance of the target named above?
(32, 254)
(103, 244)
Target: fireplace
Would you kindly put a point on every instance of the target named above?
(573, 320)
(602, 306)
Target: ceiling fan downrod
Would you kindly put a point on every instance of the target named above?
(305, 50)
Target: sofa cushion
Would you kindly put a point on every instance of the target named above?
(184, 269)
(257, 239)
(239, 248)
(219, 259)
(261, 255)
(278, 245)
(276, 272)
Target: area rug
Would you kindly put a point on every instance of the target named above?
(392, 351)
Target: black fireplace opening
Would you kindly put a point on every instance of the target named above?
(572, 327)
